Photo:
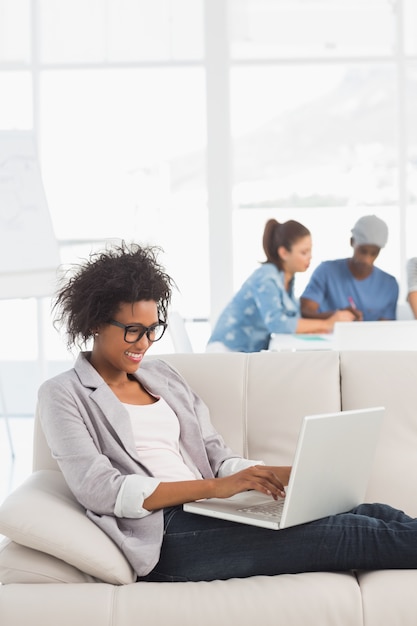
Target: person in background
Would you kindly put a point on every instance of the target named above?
(354, 284)
(265, 303)
(412, 284)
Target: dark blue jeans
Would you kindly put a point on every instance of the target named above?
(371, 536)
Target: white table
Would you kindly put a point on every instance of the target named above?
(382, 335)
(301, 341)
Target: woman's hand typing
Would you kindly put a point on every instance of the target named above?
(270, 480)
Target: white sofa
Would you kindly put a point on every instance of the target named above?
(57, 567)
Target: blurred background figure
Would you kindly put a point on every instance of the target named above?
(265, 303)
(354, 284)
(412, 284)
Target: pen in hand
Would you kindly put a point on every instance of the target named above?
(354, 309)
(352, 303)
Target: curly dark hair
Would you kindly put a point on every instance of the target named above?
(93, 293)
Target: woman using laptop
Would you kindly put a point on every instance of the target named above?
(135, 443)
(265, 303)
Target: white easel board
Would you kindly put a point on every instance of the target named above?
(29, 253)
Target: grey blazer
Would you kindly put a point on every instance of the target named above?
(89, 433)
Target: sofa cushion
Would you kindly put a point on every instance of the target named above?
(19, 564)
(42, 514)
(387, 379)
(389, 597)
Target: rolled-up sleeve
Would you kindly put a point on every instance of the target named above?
(234, 465)
(134, 490)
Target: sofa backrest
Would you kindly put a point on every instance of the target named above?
(256, 400)
(42, 458)
(387, 379)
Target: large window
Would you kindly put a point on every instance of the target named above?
(323, 126)
(126, 161)
(290, 29)
(137, 107)
(320, 147)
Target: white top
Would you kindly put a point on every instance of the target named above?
(156, 431)
(157, 438)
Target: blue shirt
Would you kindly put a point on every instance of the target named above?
(261, 306)
(332, 284)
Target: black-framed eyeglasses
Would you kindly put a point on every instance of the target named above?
(135, 332)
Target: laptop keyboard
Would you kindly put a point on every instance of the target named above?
(269, 510)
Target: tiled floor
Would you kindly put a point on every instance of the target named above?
(13, 471)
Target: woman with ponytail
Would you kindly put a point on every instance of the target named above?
(265, 303)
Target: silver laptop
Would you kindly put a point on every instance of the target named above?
(332, 463)
(383, 335)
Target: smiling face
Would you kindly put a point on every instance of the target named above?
(112, 356)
